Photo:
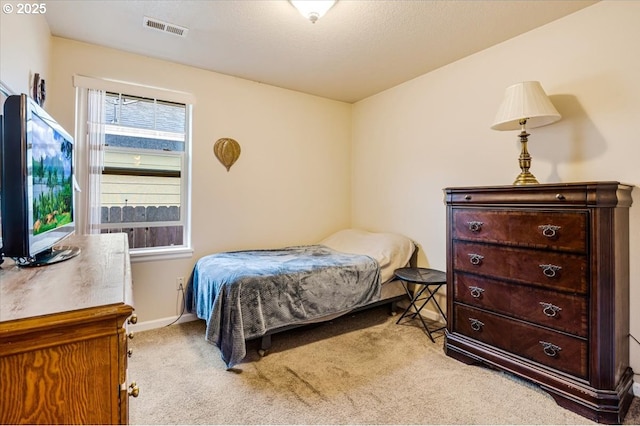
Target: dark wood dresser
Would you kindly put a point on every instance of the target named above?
(538, 282)
(63, 339)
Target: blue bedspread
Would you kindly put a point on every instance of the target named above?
(245, 294)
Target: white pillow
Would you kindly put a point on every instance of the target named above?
(390, 250)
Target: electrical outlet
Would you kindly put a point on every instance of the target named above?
(180, 283)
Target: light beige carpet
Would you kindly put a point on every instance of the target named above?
(359, 369)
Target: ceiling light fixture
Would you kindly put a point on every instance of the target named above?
(313, 9)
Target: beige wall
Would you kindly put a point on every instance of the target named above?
(290, 185)
(26, 45)
(433, 132)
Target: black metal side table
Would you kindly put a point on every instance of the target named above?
(426, 280)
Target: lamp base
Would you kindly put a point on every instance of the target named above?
(526, 178)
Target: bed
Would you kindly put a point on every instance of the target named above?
(250, 294)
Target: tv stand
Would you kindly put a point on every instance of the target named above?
(53, 255)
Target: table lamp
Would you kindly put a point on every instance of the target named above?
(525, 104)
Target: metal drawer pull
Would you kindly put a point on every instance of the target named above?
(134, 390)
(476, 291)
(559, 197)
(550, 349)
(550, 270)
(475, 259)
(549, 231)
(550, 309)
(475, 226)
(476, 325)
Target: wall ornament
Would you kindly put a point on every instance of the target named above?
(227, 151)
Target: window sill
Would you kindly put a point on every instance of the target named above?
(150, 255)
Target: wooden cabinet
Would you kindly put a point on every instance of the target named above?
(63, 340)
(539, 286)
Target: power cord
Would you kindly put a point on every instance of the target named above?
(184, 305)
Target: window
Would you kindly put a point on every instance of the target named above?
(144, 180)
(141, 190)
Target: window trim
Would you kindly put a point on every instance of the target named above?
(109, 170)
(133, 89)
(164, 253)
(129, 171)
(82, 84)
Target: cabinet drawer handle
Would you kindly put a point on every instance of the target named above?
(133, 319)
(130, 335)
(550, 309)
(560, 197)
(467, 197)
(476, 324)
(549, 231)
(130, 353)
(134, 390)
(475, 259)
(476, 292)
(550, 349)
(475, 226)
(550, 270)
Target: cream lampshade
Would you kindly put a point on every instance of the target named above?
(525, 104)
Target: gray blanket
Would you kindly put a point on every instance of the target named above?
(245, 294)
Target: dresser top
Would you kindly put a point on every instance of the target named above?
(99, 276)
(588, 194)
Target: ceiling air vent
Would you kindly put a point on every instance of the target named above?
(165, 27)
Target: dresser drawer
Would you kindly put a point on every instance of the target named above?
(555, 270)
(555, 195)
(552, 349)
(561, 311)
(542, 229)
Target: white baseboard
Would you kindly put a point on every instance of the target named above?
(434, 316)
(427, 312)
(162, 322)
(636, 388)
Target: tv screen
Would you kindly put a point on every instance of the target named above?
(37, 184)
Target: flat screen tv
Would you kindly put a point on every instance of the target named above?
(36, 184)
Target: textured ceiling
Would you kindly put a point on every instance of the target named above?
(359, 48)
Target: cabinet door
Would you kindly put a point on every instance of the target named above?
(70, 383)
